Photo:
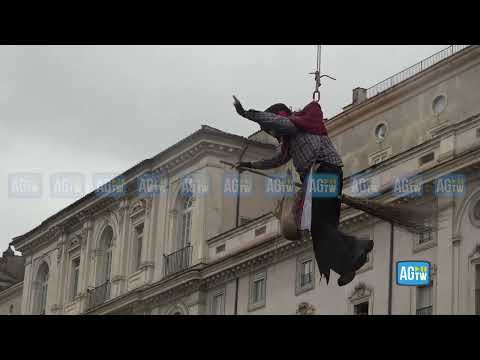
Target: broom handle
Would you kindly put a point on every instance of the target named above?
(344, 199)
(255, 172)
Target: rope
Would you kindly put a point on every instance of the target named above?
(318, 76)
(316, 93)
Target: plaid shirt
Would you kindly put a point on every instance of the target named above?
(303, 148)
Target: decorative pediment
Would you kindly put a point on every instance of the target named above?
(475, 252)
(75, 240)
(360, 291)
(137, 207)
(194, 151)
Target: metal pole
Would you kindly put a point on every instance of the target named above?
(235, 311)
(390, 273)
(238, 199)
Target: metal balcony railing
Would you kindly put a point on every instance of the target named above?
(413, 70)
(98, 295)
(425, 310)
(177, 261)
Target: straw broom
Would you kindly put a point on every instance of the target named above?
(408, 217)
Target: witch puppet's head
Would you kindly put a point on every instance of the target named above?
(281, 110)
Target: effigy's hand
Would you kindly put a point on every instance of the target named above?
(238, 106)
(243, 164)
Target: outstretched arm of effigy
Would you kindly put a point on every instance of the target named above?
(281, 125)
(279, 159)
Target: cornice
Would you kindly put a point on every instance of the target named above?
(263, 219)
(204, 276)
(6, 293)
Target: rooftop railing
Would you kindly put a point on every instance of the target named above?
(413, 70)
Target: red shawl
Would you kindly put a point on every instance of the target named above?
(310, 119)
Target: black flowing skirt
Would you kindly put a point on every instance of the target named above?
(334, 250)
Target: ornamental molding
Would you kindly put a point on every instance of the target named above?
(360, 291)
(196, 280)
(175, 293)
(304, 308)
(198, 150)
(232, 267)
(138, 208)
(475, 252)
(456, 239)
(56, 308)
(117, 278)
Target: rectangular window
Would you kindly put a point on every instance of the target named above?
(425, 237)
(428, 236)
(477, 289)
(220, 248)
(75, 277)
(218, 304)
(244, 220)
(257, 291)
(138, 247)
(306, 273)
(426, 158)
(424, 300)
(261, 230)
(361, 308)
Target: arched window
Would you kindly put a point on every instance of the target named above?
(42, 281)
(106, 247)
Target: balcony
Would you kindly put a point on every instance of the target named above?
(177, 261)
(425, 310)
(98, 295)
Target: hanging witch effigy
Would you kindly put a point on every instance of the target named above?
(304, 139)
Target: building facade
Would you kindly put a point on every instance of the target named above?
(12, 270)
(194, 251)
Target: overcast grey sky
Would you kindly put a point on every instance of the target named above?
(92, 109)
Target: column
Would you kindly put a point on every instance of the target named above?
(444, 298)
(85, 263)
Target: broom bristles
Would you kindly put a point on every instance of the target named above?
(411, 218)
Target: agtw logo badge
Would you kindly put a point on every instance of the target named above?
(413, 273)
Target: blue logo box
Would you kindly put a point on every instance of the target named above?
(408, 186)
(413, 273)
(109, 185)
(325, 185)
(365, 186)
(231, 187)
(196, 185)
(67, 185)
(279, 185)
(25, 185)
(152, 184)
(452, 185)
